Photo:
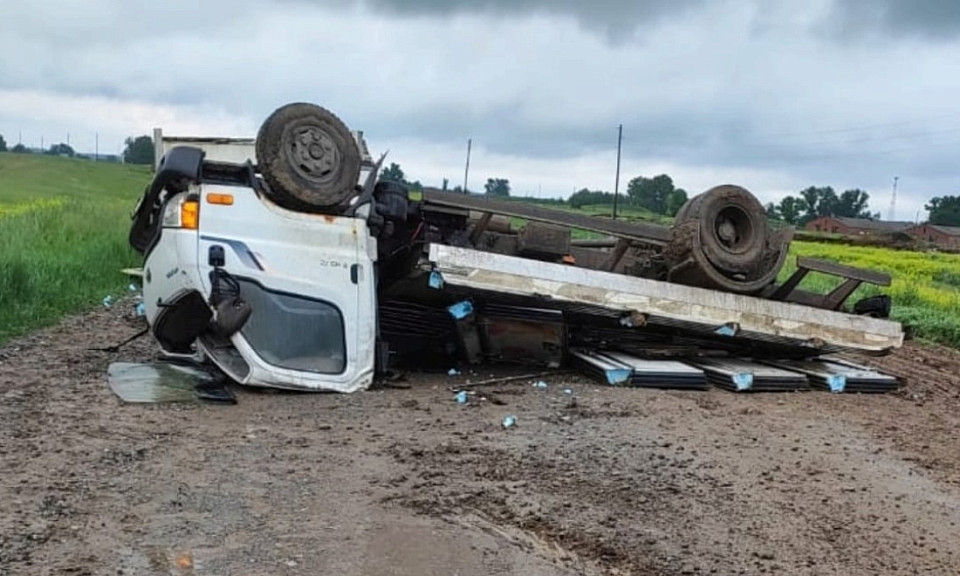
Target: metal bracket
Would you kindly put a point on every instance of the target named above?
(789, 292)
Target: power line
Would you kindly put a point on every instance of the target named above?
(866, 126)
(893, 200)
(833, 154)
(863, 139)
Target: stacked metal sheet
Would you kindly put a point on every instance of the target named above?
(640, 342)
(619, 369)
(423, 335)
(839, 376)
(740, 375)
(525, 313)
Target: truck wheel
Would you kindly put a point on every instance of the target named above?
(308, 157)
(733, 227)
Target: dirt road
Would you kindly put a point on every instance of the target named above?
(406, 481)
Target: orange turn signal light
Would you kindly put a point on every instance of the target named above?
(190, 214)
(221, 199)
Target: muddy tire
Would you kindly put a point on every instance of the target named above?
(733, 227)
(309, 158)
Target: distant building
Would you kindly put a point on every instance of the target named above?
(946, 236)
(855, 226)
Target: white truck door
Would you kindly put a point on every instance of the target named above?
(310, 281)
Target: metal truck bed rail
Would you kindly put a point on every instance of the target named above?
(664, 303)
(639, 231)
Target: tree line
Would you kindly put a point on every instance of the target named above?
(657, 194)
(815, 202)
(944, 210)
(660, 196)
(60, 149)
(493, 187)
(818, 201)
(137, 150)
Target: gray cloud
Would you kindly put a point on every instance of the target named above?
(616, 18)
(925, 19)
(716, 89)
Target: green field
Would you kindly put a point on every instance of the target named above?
(63, 236)
(628, 213)
(64, 224)
(925, 286)
(625, 212)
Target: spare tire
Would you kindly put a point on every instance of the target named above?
(309, 158)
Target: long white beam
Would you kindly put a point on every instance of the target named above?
(710, 308)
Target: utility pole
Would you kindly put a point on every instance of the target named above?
(616, 185)
(96, 147)
(466, 171)
(893, 200)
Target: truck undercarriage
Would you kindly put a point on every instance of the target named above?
(303, 270)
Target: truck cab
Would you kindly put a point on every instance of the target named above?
(307, 281)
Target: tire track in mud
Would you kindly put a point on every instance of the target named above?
(707, 484)
(618, 481)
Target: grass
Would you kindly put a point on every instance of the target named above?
(63, 225)
(625, 213)
(628, 213)
(925, 287)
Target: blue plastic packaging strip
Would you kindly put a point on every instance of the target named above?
(618, 376)
(436, 280)
(743, 381)
(837, 382)
(461, 310)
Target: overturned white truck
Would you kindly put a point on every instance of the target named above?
(288, 263)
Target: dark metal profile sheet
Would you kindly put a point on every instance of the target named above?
(411, 319)
(423, 334)
(527, 313)
(656, 327)
(740, 375)
(840, 376)
(660, 373)
(619, 369)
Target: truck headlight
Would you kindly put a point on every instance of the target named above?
(182, 212)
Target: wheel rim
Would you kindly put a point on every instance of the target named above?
(734, 230)
(312, 152)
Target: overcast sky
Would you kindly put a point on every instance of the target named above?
(774, 95)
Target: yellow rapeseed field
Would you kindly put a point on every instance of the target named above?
(18, 209)
(63, 236)
(925, 285)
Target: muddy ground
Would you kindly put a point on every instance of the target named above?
(406, 481)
